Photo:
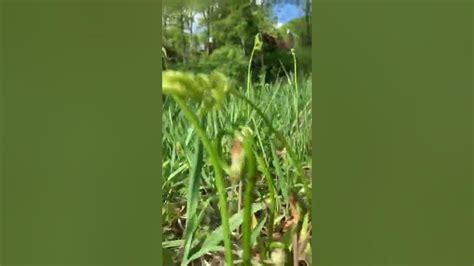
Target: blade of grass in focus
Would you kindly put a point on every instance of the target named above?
(193, 198)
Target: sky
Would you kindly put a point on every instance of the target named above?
(287, 12)
(284, 13)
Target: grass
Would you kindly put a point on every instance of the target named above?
(190, 196)
(236, 170)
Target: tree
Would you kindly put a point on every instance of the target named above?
(237, 22)
(308, 12)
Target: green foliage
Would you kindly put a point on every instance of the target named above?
(297, 27)
(219, 181)
(229, 60)
(238, 23)
(212, 241)
(193, 198)
(273, 161)
(275, 63)
(303, 57)
(261, 139)
(232, 26)
(207, 90)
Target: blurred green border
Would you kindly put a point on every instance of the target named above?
(81, 133)
(2, 127)
(392, 105)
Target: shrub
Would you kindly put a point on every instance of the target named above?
(229, 60)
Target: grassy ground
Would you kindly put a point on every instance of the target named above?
(277, 218)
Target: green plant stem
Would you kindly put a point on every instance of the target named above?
(280, 138)
(249, 77)
(193, 119)
(271, 190)
(249, 187)
(249, 74)
(296, 73)
(296, 86)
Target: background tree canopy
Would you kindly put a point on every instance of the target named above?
(206, 35)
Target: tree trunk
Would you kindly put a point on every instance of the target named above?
(191, 23)
(209, 15)
(165, 37)
(308, 22)
(184, 36)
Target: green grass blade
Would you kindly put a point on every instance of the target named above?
(215, 160)
(294, 159)
(211, 243)
(257, 230)
(193, 198)
(281, 177)
(271, 191)
(173, 243)
(196, 221)
(175, 174)
(259, 138)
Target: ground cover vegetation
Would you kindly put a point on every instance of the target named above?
(236, 135)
